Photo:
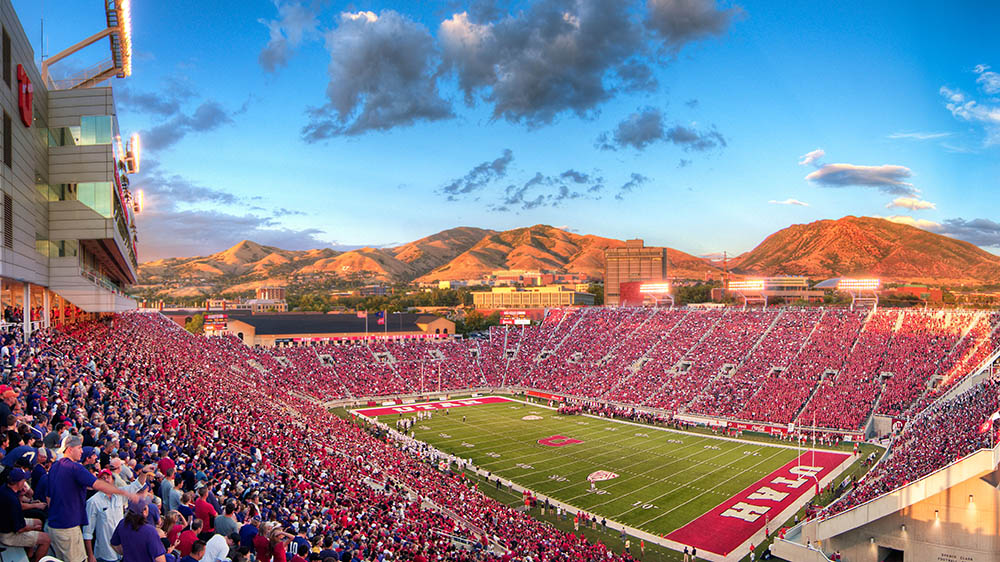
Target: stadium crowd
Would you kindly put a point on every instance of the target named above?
(193, 445)
(939, 436)
(832, 368)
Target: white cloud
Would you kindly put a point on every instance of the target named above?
(912, 221)
(887, 178)
(919, 136)
(789, 201)
(911, 203)
(966, 109)
(989, 81)
(811, 157)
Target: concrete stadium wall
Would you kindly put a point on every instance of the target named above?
(930, 520)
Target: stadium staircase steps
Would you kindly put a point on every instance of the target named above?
(805, 404)
(610, 355)
(676, 368)
(888, 346)
(937, 376)
(756, 344)
(784, 368)
(636, 365)
(534, 361)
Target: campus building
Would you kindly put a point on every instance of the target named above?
(68, 246)
(634, 262)
(297, 328)
(500, 298)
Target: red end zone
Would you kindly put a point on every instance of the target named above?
(430, 406)
(735, 520)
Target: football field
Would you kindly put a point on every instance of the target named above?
(644, 477)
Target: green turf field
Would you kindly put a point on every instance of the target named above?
(666, 479)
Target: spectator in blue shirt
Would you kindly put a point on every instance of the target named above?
(135, 539)
(68, 482)
(15, 530)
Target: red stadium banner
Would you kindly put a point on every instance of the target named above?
(759, 427)
(546, 396)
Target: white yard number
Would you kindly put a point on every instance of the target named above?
(641, 435)
(557, 478)
(493, 455)
(524, 466)
(444, 436)
(644, 505)
(467, 445)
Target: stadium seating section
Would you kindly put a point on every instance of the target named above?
(252, 417)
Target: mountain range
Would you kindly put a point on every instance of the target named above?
(821, 249)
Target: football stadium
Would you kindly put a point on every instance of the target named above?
(744, 429)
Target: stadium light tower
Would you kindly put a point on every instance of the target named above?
(657, 292)
(748, 290)
(861, 290)
(119, 32)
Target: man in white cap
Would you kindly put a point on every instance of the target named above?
(68, 483)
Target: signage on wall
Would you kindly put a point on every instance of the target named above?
(24, 96)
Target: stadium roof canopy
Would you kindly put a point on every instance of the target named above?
(828, 284)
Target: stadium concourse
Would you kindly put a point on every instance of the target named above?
(244, 427)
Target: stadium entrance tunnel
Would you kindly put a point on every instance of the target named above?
(886, 554)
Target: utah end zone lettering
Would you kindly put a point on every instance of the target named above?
(731, 523)
(751, 512)
(435, 406)
(430, 406)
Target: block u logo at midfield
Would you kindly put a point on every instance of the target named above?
(558, 441)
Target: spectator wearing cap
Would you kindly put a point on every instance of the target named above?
(7, 405)
(68, 482)
(15, 530)
(104, 513)
(89, 458)
(40, 469)
(135, 539)
(115, 466)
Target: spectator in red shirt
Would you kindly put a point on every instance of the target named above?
(188, 538)
(204, 510)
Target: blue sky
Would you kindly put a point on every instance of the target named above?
(684, 122)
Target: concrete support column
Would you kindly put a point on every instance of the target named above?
(47, 307)
(26, 311)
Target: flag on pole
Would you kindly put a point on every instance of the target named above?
(988, 424)
(380, 317)
(362, 314)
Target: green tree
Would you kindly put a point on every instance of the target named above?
(699, 292)
(597, 290)
(196, 325)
